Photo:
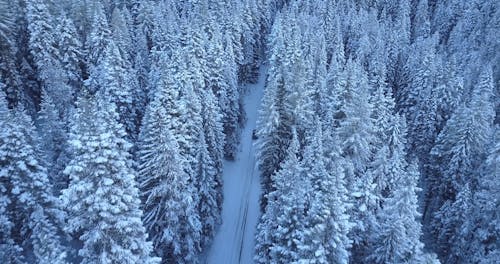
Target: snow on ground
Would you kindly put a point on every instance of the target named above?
(234, 241)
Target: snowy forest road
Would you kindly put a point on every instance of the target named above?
(234, 241)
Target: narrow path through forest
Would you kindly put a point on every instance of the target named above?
(234, 241)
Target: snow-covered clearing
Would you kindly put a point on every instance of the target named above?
(234, 241)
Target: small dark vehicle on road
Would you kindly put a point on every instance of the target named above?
(254, 135)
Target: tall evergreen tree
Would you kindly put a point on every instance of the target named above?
(285, 213)
(273, 124)
(398, 240)
(326, 238)
(10, 249)
(46, 57)
(459, 152)
(480, 231)
(102, 200)
(54, 144)
(113, 81)
(70, 49)
(170, 214)
(98, 39)
(28, 206)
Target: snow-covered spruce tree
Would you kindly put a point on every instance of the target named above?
(421, 27)
(102, 200)
(70, 49)
(6, 20)
(98, 39)
(170, 214)
(458, 154)
(10, 247)
(356, 135)
(282, 227)
(356, 125)
(54, 144)
(223, 81)
(142, 66)
(9, 72)
(326, 238)
(29, 209)
(273, 125)
(43, 49)
(251, 46)
(42, 41)
(123, 38)
(398, 237)
(480, 231)
(201, 127)
(449, 90)
(112, 80)
(420, 105)
(389, 162)
(210, 158)
(121, 33)
(208, 191)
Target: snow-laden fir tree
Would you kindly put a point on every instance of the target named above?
(222, 80)
(398, 237)
(458, 154)
(480, 232)
(121, 33)
(326, 238)
(10, 249)
(54, 144)
(98, 39)
(70, 49)
(273, 126)
(29, 209)
(43, 42)
(210, 158)
(389, 162)
(281, 230)
(46, 57)
(112, 79)
(356, 136)
(102, 199)
(170, 213)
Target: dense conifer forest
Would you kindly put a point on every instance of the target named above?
(377, 138)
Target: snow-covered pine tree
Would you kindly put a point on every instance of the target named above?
(121, 33)
(398, 238)
(282, 227)
(42, 42)
(356, 135)
(170, 213)
(233, 114)
(273, 126)
(210, 158)
(54, 144)
(70, 50)
(9, 72)
(389, 162)
(29, 208)
(223, 81)
(480, 230)
(420, 104)
(458, 154)
(98, 39)
(43, 48)
(112, 80)
(421, 27)
(102, 199)
(326, 238)
(11, 250)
